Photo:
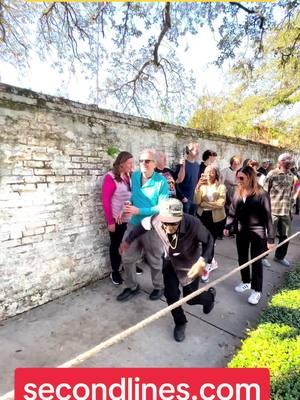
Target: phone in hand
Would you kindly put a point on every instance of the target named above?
(203, 178)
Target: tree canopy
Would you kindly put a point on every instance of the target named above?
(265, 105)
(129, 50)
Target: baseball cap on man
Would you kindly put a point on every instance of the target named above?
(170, 211)
(285, 157)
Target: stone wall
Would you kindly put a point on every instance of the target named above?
(53, 153)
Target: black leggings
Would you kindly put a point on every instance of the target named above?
(115, 241)
(214, 227)
(172, 292)
(257, 242)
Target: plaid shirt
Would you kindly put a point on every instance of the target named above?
(280, 185)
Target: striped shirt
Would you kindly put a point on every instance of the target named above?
(279, 185)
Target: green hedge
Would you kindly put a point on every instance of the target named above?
(275, 343)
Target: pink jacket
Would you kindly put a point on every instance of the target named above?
(114, 195)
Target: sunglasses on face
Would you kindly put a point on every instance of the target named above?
(170, 223)
(145, 161)
(240, 178)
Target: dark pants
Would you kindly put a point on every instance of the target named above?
(115, 241)
(257, 242)
(172, 292)
(213, 227)
(297, 205)
(282, 227)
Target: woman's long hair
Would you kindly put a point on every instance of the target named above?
(254, 187)
(121, 159)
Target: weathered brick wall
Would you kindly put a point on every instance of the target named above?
(52, 154)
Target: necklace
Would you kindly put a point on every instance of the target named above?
(174, 240)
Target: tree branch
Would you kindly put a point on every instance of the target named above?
(125, 23)
(166, 27)
(261, 19)
(286, 56)
(100, 13)
(49, 11)
(2, 28)
(250, 11)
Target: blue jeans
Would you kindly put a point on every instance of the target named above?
(189, 208)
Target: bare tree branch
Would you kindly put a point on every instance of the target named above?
(166, 27)
(250, 11)
(261, 19)
(49, 11)
(141, 75)
(2, 28)
(125, 24)
(285, 56)
(100, 13)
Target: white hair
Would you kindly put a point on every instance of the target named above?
(153, 152)
(284, 157)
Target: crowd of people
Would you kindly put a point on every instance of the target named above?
(172, 219)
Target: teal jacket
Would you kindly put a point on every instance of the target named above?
(148, 196)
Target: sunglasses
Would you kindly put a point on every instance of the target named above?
(145, 161)
(170, 223)
(240, 178)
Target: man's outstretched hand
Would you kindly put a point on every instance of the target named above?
(197, 269)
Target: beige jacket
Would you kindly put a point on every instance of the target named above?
(217, 205)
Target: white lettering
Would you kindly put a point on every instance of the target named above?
(164, 390)
(46, 388)
(81, 387)
(118, 387)
(58, 391)
(220, 391)
(247, 387)
(28, 390)
(203, 388)
(183, 388)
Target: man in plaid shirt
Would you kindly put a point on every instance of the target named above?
(279, 183)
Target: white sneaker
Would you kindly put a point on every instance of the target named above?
(209, 267)
(205, 275)
(283, 262)
(212, 266)
(242, 287)
(254, 297)
(266, 263)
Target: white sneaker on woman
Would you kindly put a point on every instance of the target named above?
(254, 297)
(242, 287)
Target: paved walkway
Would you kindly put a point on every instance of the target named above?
(58, 331)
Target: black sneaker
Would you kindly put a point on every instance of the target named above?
(116, 278)
(209, 306)
(139, 271)
(128, 293)
(179, 332)
(156, 294)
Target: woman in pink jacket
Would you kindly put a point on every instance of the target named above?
(116, 190)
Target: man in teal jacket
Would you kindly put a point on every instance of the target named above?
(148, 189)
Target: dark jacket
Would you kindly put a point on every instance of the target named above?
(194, 241)
(252, 215)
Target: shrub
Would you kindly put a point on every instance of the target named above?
(275, 343)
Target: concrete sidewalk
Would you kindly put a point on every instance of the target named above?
(58, 331)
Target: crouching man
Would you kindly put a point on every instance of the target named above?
(184, 261)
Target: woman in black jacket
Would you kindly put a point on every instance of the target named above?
(252, 209)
